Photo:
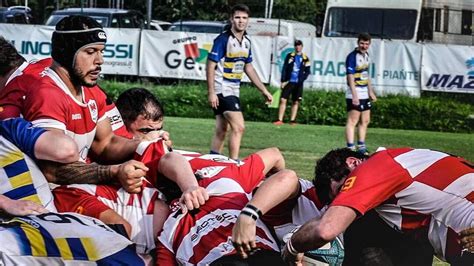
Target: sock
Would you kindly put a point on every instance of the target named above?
(351, 146)
(361, 145)
(213, 152)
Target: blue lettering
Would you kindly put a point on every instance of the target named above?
(470, 84)
(436, 81)
(35, 48)
(330, 69)
(318, 67)
(456, 82)
(118, 51)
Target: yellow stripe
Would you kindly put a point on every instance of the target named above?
(38, 246)
(21, 180)
(357, 75)
(361, 82)
(232, 76)
(237, 54)
(64, 248)
(11, 158)
(33, 198)
(365, 66)
(90, 248)
(229, 65)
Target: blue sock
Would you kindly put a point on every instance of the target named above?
(351, 146)
(361, 145)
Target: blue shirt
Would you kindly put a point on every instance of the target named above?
(296, 69)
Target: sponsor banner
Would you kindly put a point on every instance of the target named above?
(34, 42)
(448, 68)
(394, 65)
(184, 54)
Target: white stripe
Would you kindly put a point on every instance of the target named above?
(223, 186)
(418, 160)
(453, 211)
(54, 76)
(437, 235)
(462, 186)
(17, 72)
(391, 214)
(141, 148)
(49, 123)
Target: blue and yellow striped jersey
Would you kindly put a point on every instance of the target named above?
(357, 64)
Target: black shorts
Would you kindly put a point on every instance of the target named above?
(261, 257)
(229, 103)
(364, 105)
(295, 89)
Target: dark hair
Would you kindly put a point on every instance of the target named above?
(138, 101)
(332, 166)
(298, 42)
(239, 7)
(364, 36)
(9, 57)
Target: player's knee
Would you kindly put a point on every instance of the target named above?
(240, 129)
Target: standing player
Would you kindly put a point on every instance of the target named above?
(359, 93)
(230, 57)
(426, 194)
(203, 236)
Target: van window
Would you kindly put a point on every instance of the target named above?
(384, 23)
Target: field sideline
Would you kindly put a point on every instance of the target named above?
(302, 145)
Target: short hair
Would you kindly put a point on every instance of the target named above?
(364, 36)
(239, 7)
(138, 101)
(332, 166)
(9, 57)
(298, 42)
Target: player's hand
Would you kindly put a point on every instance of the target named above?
(243, 235)
(467, 239)
(22, 207)
(372, 96)
(130, 175)
(268, 97)
(291, 259)
(213, 101)
(283, 84)
(355, 100)
(193, 198)
(165, 135)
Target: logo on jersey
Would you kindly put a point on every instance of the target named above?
(211, 171)
(349, 183)
(94, 110)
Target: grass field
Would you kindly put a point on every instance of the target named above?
(302, 145)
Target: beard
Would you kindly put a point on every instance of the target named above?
(78, 77)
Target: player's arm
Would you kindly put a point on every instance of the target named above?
(164, 256)
(253, 76)
(372, 95)
(307, 69)
(210, 74)
(20, 207)
(272, 159)
(110, 148)
(56, 146)
(277, 188)
(283, 79)
(176, 168)
(319, 231)
(350, 71)
(467, 239)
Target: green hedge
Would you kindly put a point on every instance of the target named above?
(432, 113)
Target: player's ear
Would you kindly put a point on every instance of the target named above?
(353, 162)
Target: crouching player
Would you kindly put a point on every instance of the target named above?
(45, 237)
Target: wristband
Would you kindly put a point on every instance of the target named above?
(252, 215)
(291, 249)
(255, 209)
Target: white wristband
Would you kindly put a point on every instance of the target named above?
(291, 249)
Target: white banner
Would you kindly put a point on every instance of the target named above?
(448, 68)
(394, 68)
(34, 42)
(184, 54)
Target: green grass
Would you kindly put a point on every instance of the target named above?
(302, 145)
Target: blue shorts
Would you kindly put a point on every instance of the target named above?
(229, 103)
(364, 105)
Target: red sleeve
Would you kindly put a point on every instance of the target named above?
(164, 257)
(150, 153)
(38, 107)
(251, 173)
(372, 183)
(11, 98)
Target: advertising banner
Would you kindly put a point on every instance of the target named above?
(448, 68)
(120, 54)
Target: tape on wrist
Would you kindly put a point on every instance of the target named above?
(252, 215)
(291, 249)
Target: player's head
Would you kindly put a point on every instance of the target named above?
(332, 170)
(239, 17)
(298, 46)
(10, 60)
(141, 111)
(77, 45)
(363, 41)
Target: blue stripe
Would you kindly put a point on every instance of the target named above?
(126, 256)
(232, 80)
(77, 249)
(23, 241)
(235, 59)
(16, 168)
(21, 192)
(228, 70)
(51, 248)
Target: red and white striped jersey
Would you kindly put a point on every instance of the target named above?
(423, 192)
(199, 238)
(52, 105)
(295, 212)
(18, 85)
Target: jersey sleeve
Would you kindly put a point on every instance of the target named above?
(218, 48)
(10, 100)
(373, 182)
(251, 173)
(21, 133)
(164, 256)
(249, 58)
(39, 110)
(150, 153)
(351, 63)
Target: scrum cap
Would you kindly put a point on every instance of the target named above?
(71, 34)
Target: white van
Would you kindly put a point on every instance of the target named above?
(280, 27)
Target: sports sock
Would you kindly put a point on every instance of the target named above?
(351, 146)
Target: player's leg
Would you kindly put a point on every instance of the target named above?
(297, 96)
(237, 128)
(363, 125)
(353, 116)
(217, 143)
(281, 109)
(272, 159)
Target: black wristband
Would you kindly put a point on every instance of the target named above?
(250, 206)
(249, 214)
